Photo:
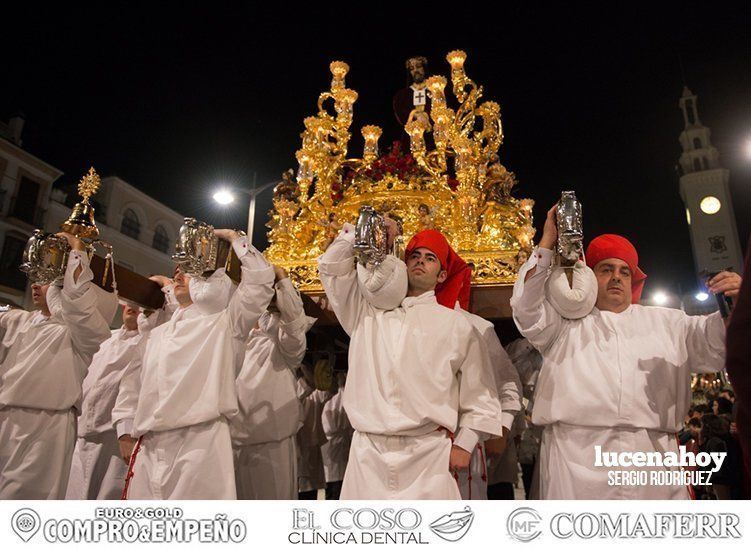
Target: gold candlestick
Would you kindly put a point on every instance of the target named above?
(339, 70)
(371, 134)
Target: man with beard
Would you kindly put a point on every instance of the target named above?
(617, 378)
(43, 360)
(420, 392)
(415, 96)
(187, 383)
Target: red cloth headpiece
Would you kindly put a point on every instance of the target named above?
(607, 246)
(457, 285)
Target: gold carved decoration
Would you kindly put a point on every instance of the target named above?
(453, 182)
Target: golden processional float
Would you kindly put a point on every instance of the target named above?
(451, 180)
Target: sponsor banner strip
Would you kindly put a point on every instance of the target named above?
(272, 524)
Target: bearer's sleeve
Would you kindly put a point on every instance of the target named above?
(383, 286)
(147, 323)
(508, 384)
(705, 342)
(479, 406)
(124, 411)
(86, 326)
(336, 268)
(535, 317)
(254, 292)
(293, 324)
(10, 320)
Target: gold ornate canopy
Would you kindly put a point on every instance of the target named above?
(453, 181)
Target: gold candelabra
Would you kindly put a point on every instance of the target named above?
(453, 181)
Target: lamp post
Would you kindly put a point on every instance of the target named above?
(226, 196)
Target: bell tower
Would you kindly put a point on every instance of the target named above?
(705, 192)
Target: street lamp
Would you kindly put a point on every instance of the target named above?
(660, 298)
(226, 196)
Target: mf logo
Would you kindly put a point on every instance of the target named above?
(524, 524)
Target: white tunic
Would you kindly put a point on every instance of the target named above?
(621, 380)
(267, 394)
(338, 432)
(263, 432)
(473, 483)
(43, 362)
(98, 471)
(190, 362)
(414, 369)
(507, 382)
(187, 391)
(311, 437)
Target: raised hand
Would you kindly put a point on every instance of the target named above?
(161, 280)
(227, 234)
(392, 231)
(550, 230)
(74, 242)
(279, 273)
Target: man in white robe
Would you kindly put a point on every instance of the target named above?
(338, 433)
(503, 468)
(418, 375)
(263, 433)
(473, 483)
(311, 437)
(98, 470)
(43, 360)
(187, 383)
(618, 378)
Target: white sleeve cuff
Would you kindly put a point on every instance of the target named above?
(76, 258)
(124, 427)
(348, 233)
(507, 419)
(544, 257)
(250, 258)
(466, 439)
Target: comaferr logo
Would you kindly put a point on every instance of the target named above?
(524, 524)
(641, 525)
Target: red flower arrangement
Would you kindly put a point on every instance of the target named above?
(394, 163)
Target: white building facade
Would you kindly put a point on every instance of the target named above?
(25, 188)
(141, 230)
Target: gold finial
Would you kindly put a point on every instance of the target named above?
(89, 184)
(81, 220)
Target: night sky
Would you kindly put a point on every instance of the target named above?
(177, 100)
